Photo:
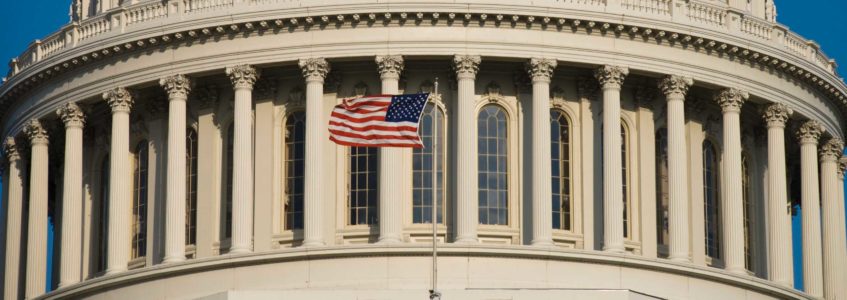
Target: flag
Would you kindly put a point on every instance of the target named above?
(378, 121)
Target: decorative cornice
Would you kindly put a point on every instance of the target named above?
(777, 114)
(71, 115)
(674, 85)
(541, 69)
(831, 150)
(466, 65)
(11, 150)
(177, 86)
(243, 76)
(314, 69)
(611, 76)
(119, 99)
(731, 99)
(810, 132)
(389, 66)
(36, 132)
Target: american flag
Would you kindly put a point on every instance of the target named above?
(378, 121)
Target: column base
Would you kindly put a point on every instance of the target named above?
(738, 271)
(466, 240)
(173, 259)
(389, 240)
(313, 243)
(240, 250)
(614, 249)
(115, 271)
(543, 243)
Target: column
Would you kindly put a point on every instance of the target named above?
(808, 136)
(842, 242)
(36, 242)
(391, 175)
(314, 72)
(71, 245)
(541, 72)
(779, 213)
(120, 182)
(675, 88)
(177, 87)
(731, 101)
(467, 206)
(14, 217)
(833, 230)
(243, 77)
(611, 79)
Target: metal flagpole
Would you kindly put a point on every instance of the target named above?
(434, 294)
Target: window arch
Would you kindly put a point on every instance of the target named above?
(662, 187)
(226, 208)
(295, 169)
(625, 182)
(363, 187)
(191, 187)
(139, 201)
(560, 140)
(432, 121)
(711, 200)
(493, 172)
(101, 218)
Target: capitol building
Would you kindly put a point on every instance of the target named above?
(586, 149)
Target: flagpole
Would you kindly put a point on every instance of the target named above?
(434, 294)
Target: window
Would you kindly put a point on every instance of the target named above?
(191, 187)
(493, 173)
(226, 209)
(560, 164)
(747, 208)
(363, 189)
(432, 121)
(711, 200)
(139, 201)
(295, 169)
(662, 188)
(101, 218)
(627, 209)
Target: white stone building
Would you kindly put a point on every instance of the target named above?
(590, 149)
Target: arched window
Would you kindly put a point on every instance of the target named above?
(363, 193)
(560, 164)
(747, 209)
(191, 187)
(432, 121)
(295, 169)
(226, 209)
(627, 204)
(139, 201)
(493, 172)
(711, 200)
(662, 188)
(101, 219)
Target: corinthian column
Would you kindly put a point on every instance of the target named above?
(779, 215)
(842, 236)
(71, 260)
(36, 242)
(120, 184)
(14, 217)
(675, 88)
(243, 77)
(731, 101)
(833, 229)
(314, 71)
(391, 175)
(541, 72)
(808, 136)
(611, 79)
(177, 87)
(467, 215)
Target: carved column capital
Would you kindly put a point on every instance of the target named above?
(466, 65)
(541, 69)
(832, 150)
(389, 66)
(177, 86)
(243, 76)
(777, 114)
(674, 85)
(120, 99)
(11, 150)
(611, 76)
(36, 132)
(731, 99)
(810, 132)
(314, 68)
(842, 166)
(71, 115)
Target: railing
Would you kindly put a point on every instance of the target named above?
(94, 27)
(758, 28)
(707, 14)
(796, 44)
(648, 7)
(206, 5)
(146, 12)
(52, 44)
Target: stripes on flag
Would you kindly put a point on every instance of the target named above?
(378, 121)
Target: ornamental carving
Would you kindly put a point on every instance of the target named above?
(207, 96)
(389, 66)
(777, 114)
(674, 85)
(587, 87)
(493, 93)
(832, 150)
(119, 99)
(611, 76)
(10, 148)
(177, 86)
(36, 132)
(557, 94)
(243, 76)
(842, 166)
(810, 132)
(71, 115)
(314, 68)
(541, 68)
(466, 65)
(265, 88)
(731, 99)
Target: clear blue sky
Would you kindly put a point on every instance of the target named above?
(821, 20)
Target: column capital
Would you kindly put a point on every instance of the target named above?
(243, 76)
(314, 68)
(177, 86)
(611, 76)
(10, 148)
(675, 85)
(842, 166)
(541, 69)
(731, 99)
(389, 66)
(832, 150)
(810, 132)
(36, 133)
(466, 65)
(777, 114)
(120, 99)
(71, 115)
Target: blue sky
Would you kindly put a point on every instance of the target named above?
(821, 20)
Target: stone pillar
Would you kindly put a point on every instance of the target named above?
(243, 77)
(467, 206)
(832, 229)
(779, 213)
(315, 71)
(36, 242)
(14, 217)
(391, 177)
(732, 208)
(842, 242)
(611, 79)
(71, 245)
(541, 72)
(177, 87)
(808, 136)
(675, 88)
(120, 182)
